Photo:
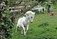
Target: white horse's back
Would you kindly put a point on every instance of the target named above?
(20, 21)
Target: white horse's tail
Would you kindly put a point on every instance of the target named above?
(17, 27)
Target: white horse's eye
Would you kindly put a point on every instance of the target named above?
(31, 17)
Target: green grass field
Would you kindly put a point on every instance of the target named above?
(44, 26)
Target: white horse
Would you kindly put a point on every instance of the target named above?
(24, 22)
(39, 8)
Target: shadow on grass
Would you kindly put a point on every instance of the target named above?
(43, 25)
(56, 28)
(40, 37)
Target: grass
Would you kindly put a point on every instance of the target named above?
(44, 26)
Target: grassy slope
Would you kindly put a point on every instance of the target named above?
(44, 26)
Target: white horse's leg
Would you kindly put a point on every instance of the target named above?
(27, 28)
(24, 29)
(21, 31)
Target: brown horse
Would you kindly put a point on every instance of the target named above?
(52, 13)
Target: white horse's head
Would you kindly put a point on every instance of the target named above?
(31, 16)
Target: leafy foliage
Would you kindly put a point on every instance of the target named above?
(6, 25)
(41, 0)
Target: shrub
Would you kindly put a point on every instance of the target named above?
(5, 25)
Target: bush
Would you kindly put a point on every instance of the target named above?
(5, 25)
